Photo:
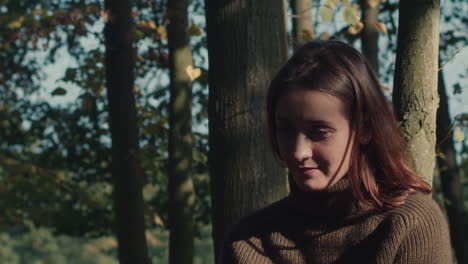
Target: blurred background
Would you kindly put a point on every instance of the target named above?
(56, 187)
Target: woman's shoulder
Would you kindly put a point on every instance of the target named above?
(418, 207)
(418, 217)
(422, 230)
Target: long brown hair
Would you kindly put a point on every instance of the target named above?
(381, 171)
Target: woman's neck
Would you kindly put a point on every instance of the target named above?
(337, 201)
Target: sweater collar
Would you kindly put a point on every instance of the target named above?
(337, 201)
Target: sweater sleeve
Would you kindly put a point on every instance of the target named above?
(427, 240)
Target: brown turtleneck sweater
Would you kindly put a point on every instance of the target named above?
(325, 227)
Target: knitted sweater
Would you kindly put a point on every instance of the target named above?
(326, 227)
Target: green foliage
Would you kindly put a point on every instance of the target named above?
(54, 167)
(350, 12)
(40, 245)
(350, 15)
(326, 13)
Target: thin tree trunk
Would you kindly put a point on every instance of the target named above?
(126, 170)
(415, 84)
(247, 44)
(303, 24)
(370, 34)
(181, 190)
(451, 181)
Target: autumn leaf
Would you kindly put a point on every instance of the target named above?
(385, 87)
(192, 72)
(37, 12)
(16, 23)
(330, 3)
(98, 90)
(152, 240)
(162, 31)
(355, 29)
(6, 45)
(158, 221)
(326, 14)
(75, 15)
(137, 91)
(458, 135)
(350, 15)
(308, 35)
(90, 248)
(141, 23)
(147, 24)
(194, 30)
(152, 25)
(138, 34)
(324, 36)
(381, 27)
(106, 16)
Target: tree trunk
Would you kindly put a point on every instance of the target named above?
(126, 170)
(247, 44)
(303, 25)
(370, 34)
(181, 190)
(415, 84)
(451, 181)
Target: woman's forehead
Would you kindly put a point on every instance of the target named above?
(302, 104)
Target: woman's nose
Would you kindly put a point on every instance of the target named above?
(302, 148)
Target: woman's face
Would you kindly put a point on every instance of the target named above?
(314, 137)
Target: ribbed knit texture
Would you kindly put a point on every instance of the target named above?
(325, 227)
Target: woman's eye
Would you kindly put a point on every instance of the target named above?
(319, 134)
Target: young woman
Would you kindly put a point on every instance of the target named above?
(355, 196)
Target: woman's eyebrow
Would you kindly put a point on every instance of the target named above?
(320, 122)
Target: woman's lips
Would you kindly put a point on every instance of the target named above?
(308, 171)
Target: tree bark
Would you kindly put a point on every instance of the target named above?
(450, 178)
(370, 34)
(181, 190)
(303, 24)
(247, 44)
(415, 83)
(126, 168)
